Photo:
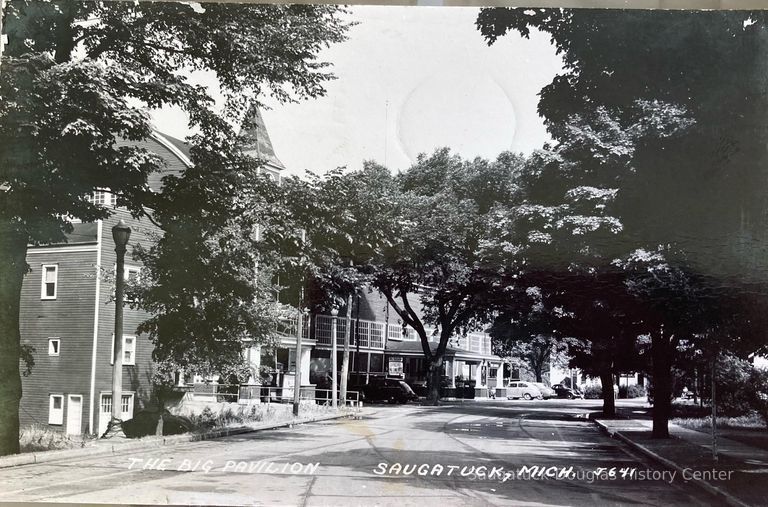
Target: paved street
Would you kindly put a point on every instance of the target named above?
(467, 454)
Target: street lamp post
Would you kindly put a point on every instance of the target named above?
(121, 233)
(334, 360)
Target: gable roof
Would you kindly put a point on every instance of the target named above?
(176, 146)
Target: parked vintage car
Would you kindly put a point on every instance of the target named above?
(546, 392)
(391, 390)
(524, 390)
(566, 392)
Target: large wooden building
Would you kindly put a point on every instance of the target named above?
(67, 311)
(67, 316)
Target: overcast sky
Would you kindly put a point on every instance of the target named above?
(412, 79)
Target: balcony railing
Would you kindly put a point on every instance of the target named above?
(369, 333)
(288, 326)
(372, 334)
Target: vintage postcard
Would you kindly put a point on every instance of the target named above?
(409, 253)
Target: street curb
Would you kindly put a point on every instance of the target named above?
(714, 490)
(33, 458)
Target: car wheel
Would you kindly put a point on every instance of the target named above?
(526, 396)
(570, 396)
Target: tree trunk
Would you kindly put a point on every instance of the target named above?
(433, 380)
(609, 402)
(161, 411)
(662, 386)
(13, 267)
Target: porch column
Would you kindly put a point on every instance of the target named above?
(254, 363)
(453, 373)
(500, 375)
(305, 360)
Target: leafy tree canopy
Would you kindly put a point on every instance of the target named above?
(78, 79)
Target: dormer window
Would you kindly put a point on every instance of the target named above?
(103, 198)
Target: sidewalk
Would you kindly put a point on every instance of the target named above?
(739, 477)
(108, 446)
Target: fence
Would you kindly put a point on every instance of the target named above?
(233, 393)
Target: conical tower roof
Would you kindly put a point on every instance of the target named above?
(256, 142)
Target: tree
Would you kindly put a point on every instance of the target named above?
(437, 267)
(562, 237)
(77, 81)
(528, 333)
(701, 191)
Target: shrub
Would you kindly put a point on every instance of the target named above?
(145, 423)
(734, 390)
(206, 419)
(758, 400)
(703, 423)
(593, 393)
(633, 391)
(38, 437)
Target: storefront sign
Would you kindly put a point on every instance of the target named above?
(396, 366)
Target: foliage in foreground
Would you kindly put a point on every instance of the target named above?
(40, 437)
(78, 81)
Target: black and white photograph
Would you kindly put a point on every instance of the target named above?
(429, 254)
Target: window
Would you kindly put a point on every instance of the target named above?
(129, 350)
(56, 409)
(377, 363)
(53, 346)
(49, 285)
(126, 405)
(103, 198)
(130, 274)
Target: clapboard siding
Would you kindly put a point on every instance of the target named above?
(68, 317)
(172, 164)
(136, 378)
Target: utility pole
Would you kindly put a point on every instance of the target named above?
(297, 369)
(357, 339)
(714, 412)
(345, 360)
(334, 360)
(299, 333)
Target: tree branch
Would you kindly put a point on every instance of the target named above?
(149, 216)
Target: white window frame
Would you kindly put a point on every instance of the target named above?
(51, 341)
(133, 351)
(127, 270)
(109, 197)
(125, 416)
(43, 284)
(55, 415)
